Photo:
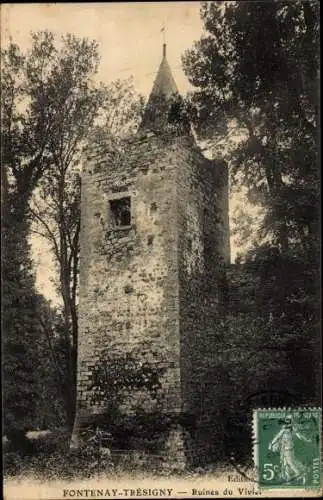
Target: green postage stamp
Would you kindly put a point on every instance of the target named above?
(287, 448)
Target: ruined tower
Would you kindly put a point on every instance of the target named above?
(154, 246)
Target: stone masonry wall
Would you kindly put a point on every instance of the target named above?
(154, 288)
(203, 257)
(129, 276)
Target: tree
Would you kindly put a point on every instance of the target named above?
(38, 90)
(48, 103)
(257, 66)
(56, 217)
(256, 75)
(21, 338)
(56, 207)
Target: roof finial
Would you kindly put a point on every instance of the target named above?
(163, 30)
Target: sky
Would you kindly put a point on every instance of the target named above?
(130, 43)
(128, 33)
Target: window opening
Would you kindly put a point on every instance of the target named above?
(121, 211)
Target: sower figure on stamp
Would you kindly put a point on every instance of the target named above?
(290, 467)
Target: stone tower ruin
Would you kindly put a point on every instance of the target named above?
(154, 247)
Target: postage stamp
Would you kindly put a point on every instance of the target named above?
(287, 447)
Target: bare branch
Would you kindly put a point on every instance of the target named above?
(50, 235)
(52, 351)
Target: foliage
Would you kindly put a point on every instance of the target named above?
(39, 92)
(55, 206)
(112, 375)
(49, 106)
(270, 344)
(257, 66)
(22, 332)
(115, 379)
(50, 459)
(55, 212)
(112, 110)
(256, 71)
(33, 95)
(23, 342)
(259, 363)
(166, 114)
(31, 394)
(56, 393)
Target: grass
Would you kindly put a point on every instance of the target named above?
(49, 458)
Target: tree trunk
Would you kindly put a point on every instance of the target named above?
(69, 308)
(275, 185)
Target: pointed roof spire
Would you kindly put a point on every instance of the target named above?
(164, 83)
(164, 89)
